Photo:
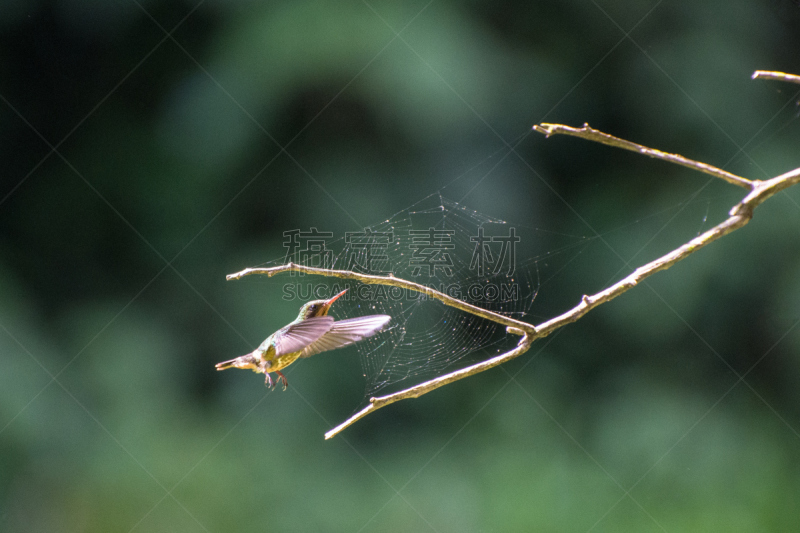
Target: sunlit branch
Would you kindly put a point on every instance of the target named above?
(774, 75)
(591, 134)
(392, 281)
(416, 391)
(739, 216)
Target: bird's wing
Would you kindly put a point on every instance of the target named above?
(299, 335)
(346, 332)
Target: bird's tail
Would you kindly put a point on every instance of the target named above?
(227, 364)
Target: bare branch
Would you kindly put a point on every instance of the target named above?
(591, 134)
(588, 303)
(739, 216)
(416, 391)
(390, 280)
(774, 75)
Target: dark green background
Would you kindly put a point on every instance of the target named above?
(138, 168)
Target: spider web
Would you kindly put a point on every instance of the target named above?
(486, 261)
(441, 244)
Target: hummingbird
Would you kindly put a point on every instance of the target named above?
(312, 332)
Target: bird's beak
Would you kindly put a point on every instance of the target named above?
(330, 302)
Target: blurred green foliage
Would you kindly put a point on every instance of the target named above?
(188, 138)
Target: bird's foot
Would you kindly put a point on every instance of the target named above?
(268, 381)
(282, 379)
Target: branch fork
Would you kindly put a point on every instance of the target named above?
(739, 216)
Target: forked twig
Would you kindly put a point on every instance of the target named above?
(739, 216)
(774, 75)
